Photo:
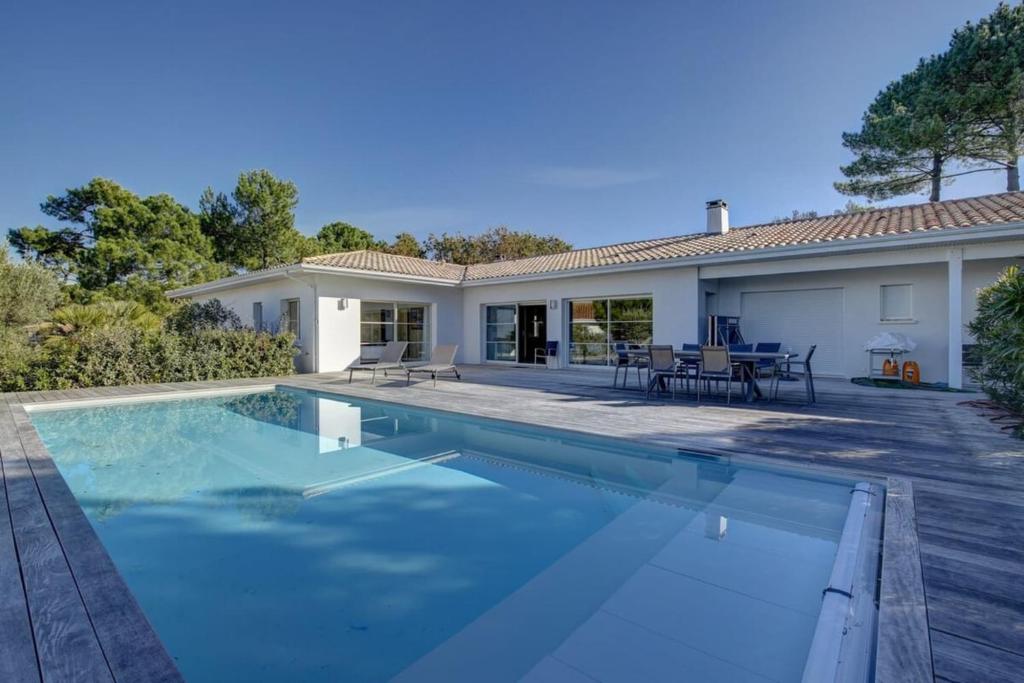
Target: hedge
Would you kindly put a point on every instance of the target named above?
(998, 330)
(108, 357)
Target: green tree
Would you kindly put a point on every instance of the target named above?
(495, 244)
(340, 236)
(914, 128)
(406, 244)
(116, 238)
(217, 221)
(28, 292)
(987, 72)
(264, 233)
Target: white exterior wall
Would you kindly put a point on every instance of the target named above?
(271, 293)
(675, 293)
(339, 329)
(861, 301)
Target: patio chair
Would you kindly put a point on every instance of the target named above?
(550, 350)
(390, 359)
(689, 366)
(741, 348)
(441, 360)
(624, 361)
(799, 369)
(716, 364)
(766, 367)
(662, 365)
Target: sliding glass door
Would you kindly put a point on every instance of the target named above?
(500, 333)
(381, 322)
(596, 325)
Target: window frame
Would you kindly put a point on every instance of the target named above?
(395, 325)
(286, 317)
(607, 323)
(909, 317)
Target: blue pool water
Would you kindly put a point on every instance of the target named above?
(288, 535)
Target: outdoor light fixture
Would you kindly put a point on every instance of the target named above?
(553, 304)
(342, 304)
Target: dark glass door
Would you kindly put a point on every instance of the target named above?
(533, 334)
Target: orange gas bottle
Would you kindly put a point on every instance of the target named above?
(890, 368)
(911, 372)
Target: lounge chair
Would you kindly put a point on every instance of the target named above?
(441, 360)
(390, 359)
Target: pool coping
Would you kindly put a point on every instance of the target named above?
(130, 648)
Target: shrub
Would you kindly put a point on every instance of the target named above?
(205, 315)
(113, 356)
(998, 330)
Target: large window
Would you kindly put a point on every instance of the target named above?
(381, 322)
(501, 333)
(596, 325)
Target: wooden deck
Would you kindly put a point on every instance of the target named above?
(65, 613)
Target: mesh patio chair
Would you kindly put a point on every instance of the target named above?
(766, 367)
(800, 369)
(662, 366)
(390, 359)
(624, 361)
(441, 360)
(689, 366)
(716, 364)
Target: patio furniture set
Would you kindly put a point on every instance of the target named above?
(745, 364)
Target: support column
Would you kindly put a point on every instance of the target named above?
(955, 279)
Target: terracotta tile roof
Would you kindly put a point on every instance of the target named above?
(900, 220)
(947, 215)
(380, 262)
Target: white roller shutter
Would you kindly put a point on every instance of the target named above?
(797, 319)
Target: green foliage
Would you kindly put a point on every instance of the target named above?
(116, 237)
(406, 244)
(122, 342)
(264, 231)
(987, 73)
(77, 319)
(340, 236)
(998, 331)
(495, 244)
(915, 126)
(205, 315)
(963, 107)
(28, 292)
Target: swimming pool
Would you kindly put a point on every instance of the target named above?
(291, 535)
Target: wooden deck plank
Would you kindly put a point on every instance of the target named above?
(132, 648)
(904, 653)
(65, 641)
(965, 661)
(17, 646)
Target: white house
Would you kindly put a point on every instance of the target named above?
(834, 281)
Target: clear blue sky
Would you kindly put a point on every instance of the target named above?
(596, 121)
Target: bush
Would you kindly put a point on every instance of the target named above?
(111, 356)
(998, 330)
(206, 315)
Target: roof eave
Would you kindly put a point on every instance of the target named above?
(931, 237)
(246, 279)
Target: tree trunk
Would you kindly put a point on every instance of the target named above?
(1012, 173)
(936, 178)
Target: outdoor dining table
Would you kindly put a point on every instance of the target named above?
(747, 360)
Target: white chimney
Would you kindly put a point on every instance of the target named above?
(718, 217)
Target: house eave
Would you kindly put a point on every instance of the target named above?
(997, 232)
(247, 279)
